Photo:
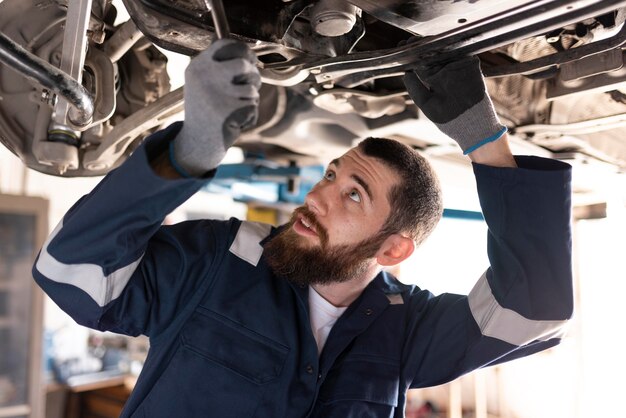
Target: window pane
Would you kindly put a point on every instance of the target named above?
(451, 259)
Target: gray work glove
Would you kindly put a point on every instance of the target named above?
(454, 97)
(221, 99)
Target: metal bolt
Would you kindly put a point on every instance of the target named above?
(48, 97)
(554, 36)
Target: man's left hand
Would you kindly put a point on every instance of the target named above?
(454, 97)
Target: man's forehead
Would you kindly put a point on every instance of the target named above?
(352, 153)
(359, 160)
(371, 170)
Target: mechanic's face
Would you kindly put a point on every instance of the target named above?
(335, 235)
(349, 204)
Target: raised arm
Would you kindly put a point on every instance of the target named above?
(522, 301)
(109, 259)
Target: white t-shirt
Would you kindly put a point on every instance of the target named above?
(323, 316)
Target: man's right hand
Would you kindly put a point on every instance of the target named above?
(221, 99)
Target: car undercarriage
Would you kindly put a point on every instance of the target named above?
(79, 92)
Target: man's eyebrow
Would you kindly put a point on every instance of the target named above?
(364, 185)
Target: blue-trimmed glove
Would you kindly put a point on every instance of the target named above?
(454, 97)
(221, 99)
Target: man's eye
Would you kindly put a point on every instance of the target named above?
(330, 175)
(354, 195)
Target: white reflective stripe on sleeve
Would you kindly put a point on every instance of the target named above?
(247, 244)
(88, 277)
(506, 324)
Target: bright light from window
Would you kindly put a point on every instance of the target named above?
(451, 259)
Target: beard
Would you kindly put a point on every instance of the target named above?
(291, 257)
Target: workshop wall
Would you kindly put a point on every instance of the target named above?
(569, 381)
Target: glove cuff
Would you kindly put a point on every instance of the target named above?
(192, 154)
(183, 173)
(475, 127)
(487, 140)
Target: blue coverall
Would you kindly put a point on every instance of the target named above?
(230, 339)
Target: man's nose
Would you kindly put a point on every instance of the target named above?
(318, 199)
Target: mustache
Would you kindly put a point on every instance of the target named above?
(312, 219)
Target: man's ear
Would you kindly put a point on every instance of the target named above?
(395, 249)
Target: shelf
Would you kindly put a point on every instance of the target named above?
(14, 411)
(23, 227)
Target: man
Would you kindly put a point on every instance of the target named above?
(246, 320)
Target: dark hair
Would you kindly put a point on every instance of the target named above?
(416, 203)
